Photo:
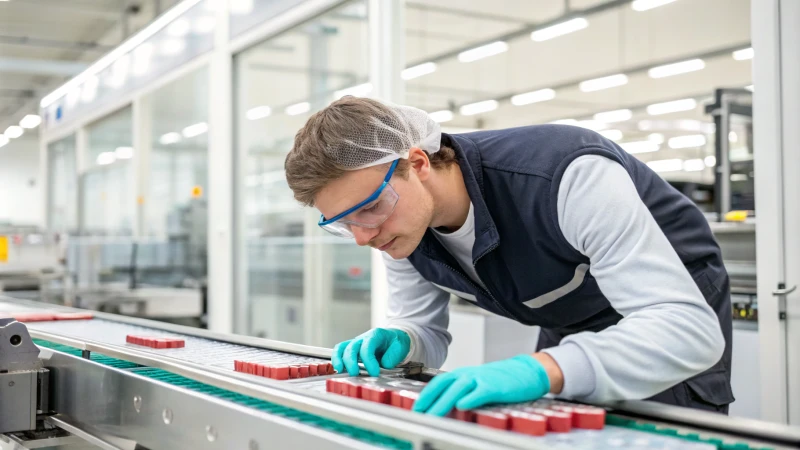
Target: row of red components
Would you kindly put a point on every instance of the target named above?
(45, 316)
(536, 419)
(284, 371)
(155, 341)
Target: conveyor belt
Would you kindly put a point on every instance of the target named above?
(108, 333)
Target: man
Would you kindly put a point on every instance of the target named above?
(547, 225)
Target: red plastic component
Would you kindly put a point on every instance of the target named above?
(304, 372)
(589, 418)
(395, 399)
(375, 393)
(353, 389)
(155, 342)
(312, 369)
(330, 385)
(408, 398)
(279, 372)
(528, 423)
(33, 316)
(493, 419)
(557, 421)
(329, 369)
(74, 316)
(237, 365)
(464, 415)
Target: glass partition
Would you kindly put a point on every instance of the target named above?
(62, 195)
(107, 194)
(294, 291)
(176, 207)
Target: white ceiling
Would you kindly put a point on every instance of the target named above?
(39, 36)
(617, 40)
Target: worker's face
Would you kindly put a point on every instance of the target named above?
(402, 231)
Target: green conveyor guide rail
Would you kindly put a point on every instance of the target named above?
(165, 376)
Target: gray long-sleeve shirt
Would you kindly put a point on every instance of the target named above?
(668, 332)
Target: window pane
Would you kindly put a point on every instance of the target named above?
(293, 267)
(62, 208)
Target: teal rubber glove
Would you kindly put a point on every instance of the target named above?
(519, 379)
(390, 345)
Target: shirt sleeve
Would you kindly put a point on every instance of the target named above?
(668, 332)
(420, 309)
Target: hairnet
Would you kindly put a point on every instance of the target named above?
(387, 137)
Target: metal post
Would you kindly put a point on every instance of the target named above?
(142, 147)
(768, 125)
(387, 60)
(220, 179)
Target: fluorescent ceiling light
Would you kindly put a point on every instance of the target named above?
(686, 104)
(105, 158)
(598, 84)
(749, 88)
(205, 24)
(542, 95)
(478, 107)
(178, 28)
(644, 5)
(259, 112)
(733, 137)
(137, 39)
(172, 46)
(483, 51)
(743, 54)
(30, 121)
(689, 141)
(710, 161)
(123, 153)
(13, 132)
(298, 108)
(418, 71)
(666, 165)
(639, 147)
(572, 122)
(619, 115)
(240, 7)
(359, 90)
(594, 125)
(614, 135)
(444, 115)
(658, 138)
(560, 29)
(195, 130)
(694, 165)
(141, 59)
(678, 68)
(170, 138)
(89, 89)
(3, 140)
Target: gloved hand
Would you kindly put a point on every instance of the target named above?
(390, 345)
(519, 379)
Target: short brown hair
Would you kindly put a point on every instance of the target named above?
(309, 166)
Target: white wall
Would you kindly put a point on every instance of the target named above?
(20, 187)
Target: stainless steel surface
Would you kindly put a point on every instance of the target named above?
(753, 429)
(17, 351)
(786, 291)
(81, 432)
(90, 393)
(8, 303)
(17, 401)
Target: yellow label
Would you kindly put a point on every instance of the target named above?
(3, 249)
(140, 200)
(197, 192)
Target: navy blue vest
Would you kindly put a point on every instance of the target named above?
(532, 274)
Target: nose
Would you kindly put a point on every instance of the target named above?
(363, 235)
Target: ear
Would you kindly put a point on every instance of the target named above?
(420, 163)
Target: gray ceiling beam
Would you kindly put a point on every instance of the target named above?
(41, 66)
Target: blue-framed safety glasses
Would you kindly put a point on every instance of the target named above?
(370, 213)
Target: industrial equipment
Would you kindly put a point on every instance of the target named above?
(115, 382)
